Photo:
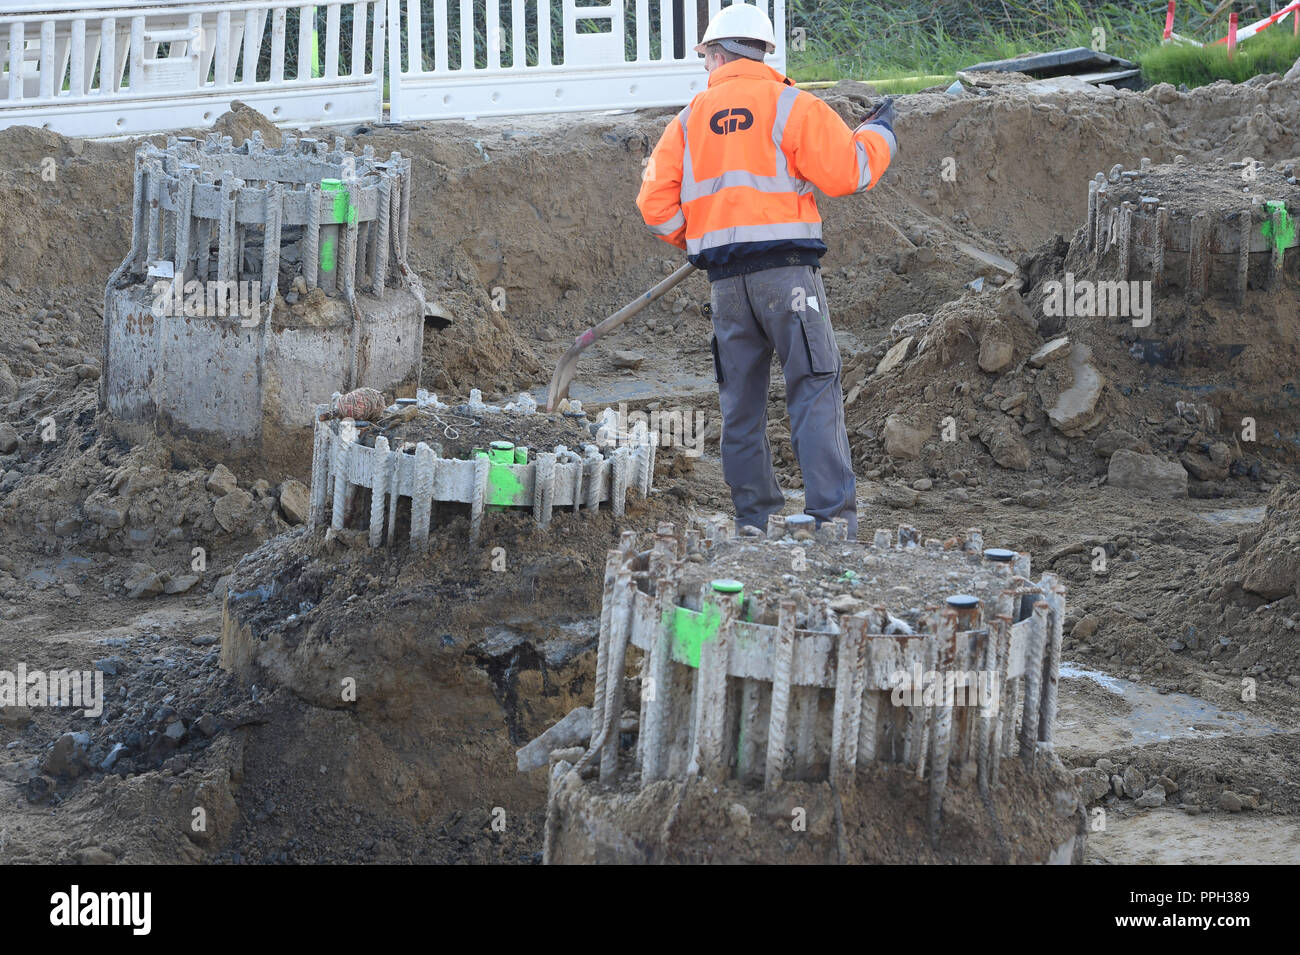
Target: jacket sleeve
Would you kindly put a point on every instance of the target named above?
(835, 159)
(660, 198)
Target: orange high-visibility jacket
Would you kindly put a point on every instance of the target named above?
(731, 177)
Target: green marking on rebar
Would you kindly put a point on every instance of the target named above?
(341, 209)
(691, 629)
(1279, 228)
(504, 487)
(327, 255)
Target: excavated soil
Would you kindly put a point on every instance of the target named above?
(458, 432)
(525, 233)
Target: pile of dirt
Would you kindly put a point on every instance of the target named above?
(1228, 775)
(1245, 610)
(458, 432)
(152, 522)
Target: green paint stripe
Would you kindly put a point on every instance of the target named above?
(504, 487)
(1279, 230)
(691, 630)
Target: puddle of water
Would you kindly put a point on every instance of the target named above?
(1151, 716)
(1234, 515)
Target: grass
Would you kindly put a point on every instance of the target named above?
(862, 39)
(1272, 51)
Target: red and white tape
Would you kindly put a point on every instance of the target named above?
(1248, 31)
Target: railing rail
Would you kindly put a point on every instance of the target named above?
(124, 68)
(132, 67)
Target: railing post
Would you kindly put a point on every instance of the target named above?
(394, 62)
(16, 45)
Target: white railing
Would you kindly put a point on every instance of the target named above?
(127, 67)
(106, 68)
(497, 57)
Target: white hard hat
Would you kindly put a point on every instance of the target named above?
(739, 21)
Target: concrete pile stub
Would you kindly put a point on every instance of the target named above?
(258, 280)
(1217, 230)
(503, 476)
(946, 665)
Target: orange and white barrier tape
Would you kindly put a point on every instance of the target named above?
(1248, 31)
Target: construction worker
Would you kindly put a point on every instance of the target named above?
(730, 181)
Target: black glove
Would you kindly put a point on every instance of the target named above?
(884, 114)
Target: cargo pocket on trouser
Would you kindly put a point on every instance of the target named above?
(717, 360)
(823, 355)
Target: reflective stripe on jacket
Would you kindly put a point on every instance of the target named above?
(732, 175)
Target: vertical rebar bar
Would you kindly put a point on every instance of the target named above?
(422, 495)
(655, 694)
(377, 491)
(347, 436)
(782, 673)
(941, 725)
(311, 235)
(1055, 595)
(1034, 652)
(544, 487)
(709, 759)
(1158, 248)
(620, 632)
(612, 561)
(848, 702)
(1243, 254)
(482, 470)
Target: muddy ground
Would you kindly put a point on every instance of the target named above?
(1184, 618)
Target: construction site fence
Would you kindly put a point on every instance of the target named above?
(130, 67)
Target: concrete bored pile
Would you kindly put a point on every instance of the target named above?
(257, 279)
(807, 658)
(1193, 227)
(504, 474)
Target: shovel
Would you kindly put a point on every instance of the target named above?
(564, 371)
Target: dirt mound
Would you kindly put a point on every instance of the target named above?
(242, 120)
(1246, 610)
(153, 521)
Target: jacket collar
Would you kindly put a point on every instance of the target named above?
(747, 69)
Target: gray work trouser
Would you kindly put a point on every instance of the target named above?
(782, 310)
